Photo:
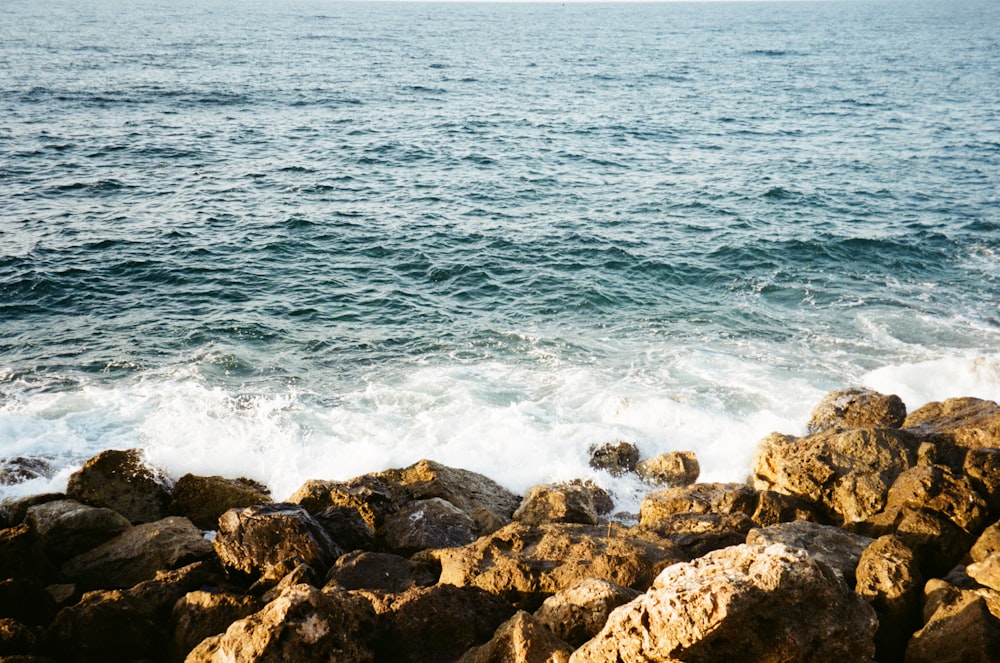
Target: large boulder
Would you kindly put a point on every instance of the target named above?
(968, 423)
(201, 614)
(744, 603)
(265, 542)
(857, 408)
(119, 480)
(839, 550)
(987, 543)
(671, 469)
(558, 503)
(66, 527)
(380, 571)
(578, 613)
(845, 473)
(302, 624)
(521, 639)
(423, 524)
(203, 499)
(526, 564)
(889, 578)
(138, 554)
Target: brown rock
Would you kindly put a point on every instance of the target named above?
(26, 602)
(14, 509)
(380, 571)
(697, 498)
(674, 468)
(347, 527)
(138, 554)
(526, 564)
(578, 613)
(889, 578)
(987, 543)
(857, 408)
(201, 614)
(119, 480)
(66, 527)
(839, 550)
(24, 468)
(773, 508)
(982, 466)
(302, 624)
(15, 638)
(203, 499)
(963, 632)
(22, 557)
(617, 458)
(744, 603)
(521, 639)
(986, 572)
(373, 497)
(557, 503)
(430, 523)
(698, 533)
(969, 423)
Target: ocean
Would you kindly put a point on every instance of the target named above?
(302, 239)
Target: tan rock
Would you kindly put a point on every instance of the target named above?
(857, 408)
(578, 613)
(987, 543)
(838, 549)
(557, 503)
(773, 508)
(986, 572)
(372, 496)
(120, 480)
(889, 578)
(203, 499)
(521, 639)
(969, 423)
(982, 466)
(674, 468)
(705, 498)
(695, 534)
(961, 632)
(201, 614)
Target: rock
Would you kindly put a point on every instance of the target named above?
(380, 571)
(138, 554)
(373, 497)
(267, 541)
(203, 499)
(26, 602)
(430, 523)
(24, 468)
(844, 473)
(439, 623)
(982, 466)
(64, 593)
(773, 508)
(15, 638)
(889, 578)
(986, 572)
(347, 527)
(14, 509)
(201, 614)
(698, 533)
(963, 632)
(674, 468)
(22, 557)
(525, 564)
(119, 480)
(987, 543)
(704, 498)
(577, 613)
(521, 639)
(744, 603)
(303, 624)
(66, 527)
(617, 458)
(968, 423)
(557, 503)
(857, 408)
(839, 550)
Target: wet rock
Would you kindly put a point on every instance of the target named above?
(857, 408)
(557, 503)
(430, 523)
(266, 542)
(698, 533)
(521, 639)
(674, 468)
(744, 603)
(138, 554)
(201, 614)
(381, 571)
(347, 527)
(839, 550)
(577, 613)
(119, 480)
(66, 527)
(373, 497)
(616, 458)
(24, 468)
(302, 624)
(525, 564)
(961, 632)
(889, 578)
(846, 474)
(203, 499)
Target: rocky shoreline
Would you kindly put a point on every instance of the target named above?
(874, 537)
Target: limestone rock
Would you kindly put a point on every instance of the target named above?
(372, 496)
(744, 603)
(674, 468)
(697, 498)
(203, 499)
(525, 564)
(380, 571)
(577, 613)
(857, 408)
(302, 624)
(982, 466)
(521, 639)
(201, 614)
(963, 632)
(987, 543)
(66, 527)
(119, 480)
(138, 553)
(557, 503)
(986, 572)
(698, 533)
(269, 540)
(839, 550)
(617, 458)
(969, 423)
(423, 524)
(889, 578)
(773, 508)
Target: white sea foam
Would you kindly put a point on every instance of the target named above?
(919, 383)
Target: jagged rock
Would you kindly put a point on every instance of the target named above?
(347, 527)
(14, 509)
(744, 603)
(203, 499)
(699, 498)
(943, 594)
(66, 527)
(201, 614)
(674, 468)
(839, 550)
(22, 557)
(986, 572)
(24, 468)
(521, 639)
(26, 602)
(373, 497)
(15, 638)
(845, 473)
(987, 543)
(380, 571)
(431, 523)
(577, 613)
(123, 624)
(557, 503)
(982, 466)
(698, 533)
(525, 564)
(617, 458)
(773, 508)
(119, 480)
(302, 624)
(267, 541)
(968, 423)
(439, 623)
(889, 578)
(857, 408)
(138, 554)
(961, 632)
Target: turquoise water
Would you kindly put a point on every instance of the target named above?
(313, 239)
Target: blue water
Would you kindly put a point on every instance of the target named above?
(309, 238)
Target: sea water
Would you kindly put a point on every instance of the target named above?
(305, 239)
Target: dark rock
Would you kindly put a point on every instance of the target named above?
(26, 602)
(15, 638)
(21, 556)
(617, 458)
(381, 571)
(203, 499)
(557, 503)
(119, 480)
(521, 639)
(674, 468)
(982, 466)
(857, 408)
(24, 468)
(773, 508)
(373, 497)
(839, 550)
(889, 578)
(66, 527)
(577, 613)
(201, 614)
(962, 632)
(14, 509)
(430, 523)
(347, 527)
(698, 533)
